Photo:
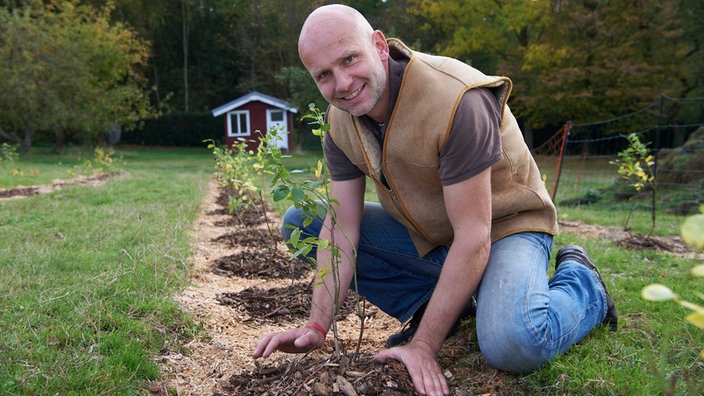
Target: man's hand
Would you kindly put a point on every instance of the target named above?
(420, 362)
(290, 341)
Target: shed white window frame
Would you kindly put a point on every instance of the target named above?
(234, 129)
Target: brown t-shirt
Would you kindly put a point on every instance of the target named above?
(474, 143)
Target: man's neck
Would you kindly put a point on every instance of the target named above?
(394, 72)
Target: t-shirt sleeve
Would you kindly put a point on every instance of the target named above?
(339, 166)
(474, 143)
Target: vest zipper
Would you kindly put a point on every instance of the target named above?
(394, 198)
(396, 202)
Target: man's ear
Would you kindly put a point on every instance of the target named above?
(382, 47)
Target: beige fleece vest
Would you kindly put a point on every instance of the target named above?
(420, 123)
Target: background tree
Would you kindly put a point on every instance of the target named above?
(569, 60)
(691, 14)
(20, 76)
(581, 60)
(604, 59)
(70, 71)
(494, 36)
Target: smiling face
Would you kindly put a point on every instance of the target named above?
(347, 59)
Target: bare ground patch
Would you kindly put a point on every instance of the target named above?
(28, 191)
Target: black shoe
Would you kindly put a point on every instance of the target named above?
(578, 254)
(410, 328)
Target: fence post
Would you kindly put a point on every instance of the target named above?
(565, 137)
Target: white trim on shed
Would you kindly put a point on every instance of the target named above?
(252, 97)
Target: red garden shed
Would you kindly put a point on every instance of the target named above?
(255, 113)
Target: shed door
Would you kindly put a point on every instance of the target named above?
(277, 119)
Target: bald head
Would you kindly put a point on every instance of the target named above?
(332, 21)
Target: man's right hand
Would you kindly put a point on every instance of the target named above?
(290, 341)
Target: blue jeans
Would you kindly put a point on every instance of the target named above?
(523, 319)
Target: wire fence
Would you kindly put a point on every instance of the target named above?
(581, 156)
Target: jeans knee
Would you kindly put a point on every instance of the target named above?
(291, 221)
(508, 350)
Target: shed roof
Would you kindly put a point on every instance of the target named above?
(252, 97)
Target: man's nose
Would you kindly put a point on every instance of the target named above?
(343, 82)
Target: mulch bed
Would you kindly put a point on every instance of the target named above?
(259, 264)
(283, 304)
(316, 376)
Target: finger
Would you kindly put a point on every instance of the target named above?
(428, 378)
(261, 345)
(272, 345)
(435, 382)
(418, 379)
(443, 383)
(305, 340)
(385, 354)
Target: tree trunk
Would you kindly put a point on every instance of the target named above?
(59, 141)
(27, 140)
(184, 32)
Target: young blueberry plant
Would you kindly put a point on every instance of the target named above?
(693, 233)
(635, 165)
(237, 169)
(233, 171)
(313, 197)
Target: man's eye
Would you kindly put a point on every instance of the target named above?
(323, 75)
(350, 58)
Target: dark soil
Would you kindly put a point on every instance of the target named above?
(640, 242)
(314, 376)
(251, 215)
(283, 304)
(251, 238)
(260, 264)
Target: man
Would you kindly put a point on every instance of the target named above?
(463, 211)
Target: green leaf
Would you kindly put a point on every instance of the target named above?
(307, 221)
(303, 251)
(657, 292)
(280, 193)
(295, 236)
(298, 195)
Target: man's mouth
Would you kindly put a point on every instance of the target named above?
(354, 94)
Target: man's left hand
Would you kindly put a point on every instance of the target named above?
(420, 362)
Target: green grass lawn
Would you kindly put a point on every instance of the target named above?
(89, 272)
(88, 275)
